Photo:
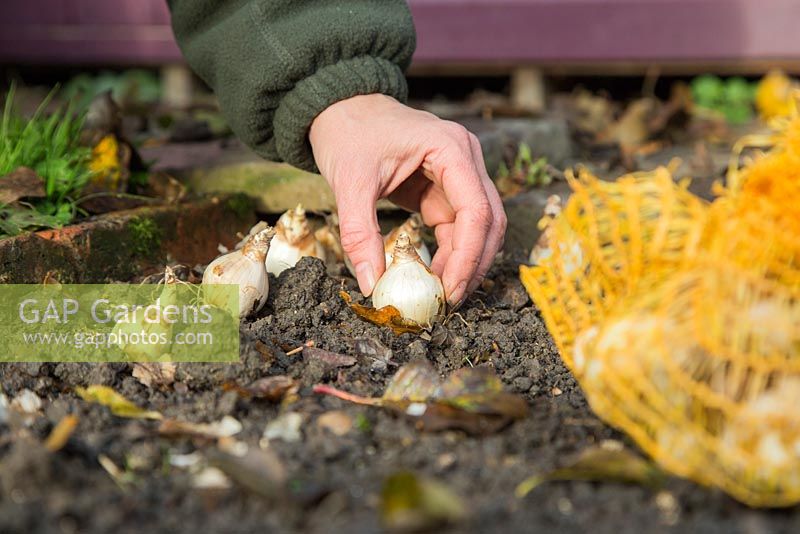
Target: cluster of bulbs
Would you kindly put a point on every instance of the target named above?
(408, 284)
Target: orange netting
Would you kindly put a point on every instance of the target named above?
(681, 319)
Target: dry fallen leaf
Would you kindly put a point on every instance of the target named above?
(632, 129)
(162, 185)
(600, 464)
(411, 503)
(271, 388)
(373, 349)
(119, 405)
(60, 434)
(387, 316)
(331, 359)
(470, 399)
(21, 183)
(155, 374)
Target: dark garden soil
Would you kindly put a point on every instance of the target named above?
(335, 477)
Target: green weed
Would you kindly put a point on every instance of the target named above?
(48, 144)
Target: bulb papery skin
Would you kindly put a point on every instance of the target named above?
(283, 255)
(412, 228)
(410, 286)
(423, 253)
(245, 268)
(293, 240)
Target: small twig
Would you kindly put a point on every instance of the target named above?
(456, 314)
(300, 348)
(343, 395)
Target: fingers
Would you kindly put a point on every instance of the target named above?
(361, 236)
(497, 232)
(444, 237)
(454, 169)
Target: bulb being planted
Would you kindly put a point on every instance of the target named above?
(409, 285)
(293, 240)
(135, 324)
(245, 267)
(413, 229)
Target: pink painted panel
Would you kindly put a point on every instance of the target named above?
(449, 31)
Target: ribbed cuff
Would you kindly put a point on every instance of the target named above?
(357, 76)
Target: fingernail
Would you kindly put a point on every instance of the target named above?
(366, 277)
(457, 294)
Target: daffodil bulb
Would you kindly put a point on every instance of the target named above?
(409, 285)
(293, 240)
(139, 335)
(413, 229)
(569, 249)
(259, 226)
(244, 267)
(328, 236)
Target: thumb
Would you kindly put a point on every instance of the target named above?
(362, 240)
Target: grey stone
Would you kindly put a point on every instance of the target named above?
(547, 137)
(522, 384)
(229, 167)
(524, 211)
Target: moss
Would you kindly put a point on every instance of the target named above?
(241, 205)
(145, 236)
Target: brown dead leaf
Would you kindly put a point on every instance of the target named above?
(271, 388)
(387, 316)
(675, 112)
(471, 399)
(589, 113)
(633, 128)
(329, 358)
(158, 374)
(50, 279)
(21, 183)
(162, 185)
(478, 390)
(374, 350)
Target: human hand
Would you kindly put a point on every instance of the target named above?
(370, 147)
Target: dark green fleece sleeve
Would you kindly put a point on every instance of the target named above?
(276, 64)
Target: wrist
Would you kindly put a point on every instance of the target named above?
(330, 122)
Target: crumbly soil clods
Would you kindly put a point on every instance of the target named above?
(335, 480)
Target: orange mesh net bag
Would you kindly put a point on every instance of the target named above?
(609, 236)
(681, 319)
